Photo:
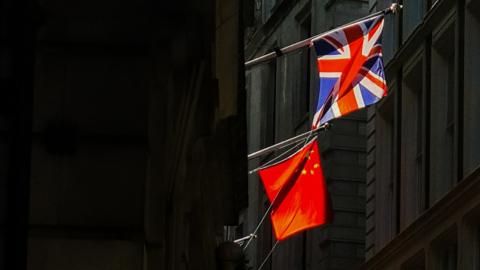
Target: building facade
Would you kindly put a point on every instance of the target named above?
(281, 98)
(423, 175)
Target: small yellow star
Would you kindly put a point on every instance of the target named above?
(311, 172)
(304, 172)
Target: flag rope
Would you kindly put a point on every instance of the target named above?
(394, 7)
(287, 142)
(254, 234)
(300, 141)
(268, 256)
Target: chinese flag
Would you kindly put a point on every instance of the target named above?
(298, 191)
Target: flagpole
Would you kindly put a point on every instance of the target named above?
(287, 142)
(306, 42)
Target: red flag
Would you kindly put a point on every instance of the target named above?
(298, 191)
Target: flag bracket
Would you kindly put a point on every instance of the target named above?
(240, 241)
(395, 7)
(278, 51)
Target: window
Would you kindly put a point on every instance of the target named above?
(476, 257)
(412, 141)
(471, 101)
(255, 115)
(389, 38)
(413, 11)
(268, 8)
(268, 107)
(230, 233)
(442, 122)
(302, 94)
(449, 257)
(474, 7)
(417, 262)
(390, 35)
(470, 240)
(444, 251)
(385, 183)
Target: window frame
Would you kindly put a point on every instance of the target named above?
(406, 218)
(451, 125)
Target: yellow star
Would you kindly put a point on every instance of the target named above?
(316, 165)
(304, 172)
(311, 172)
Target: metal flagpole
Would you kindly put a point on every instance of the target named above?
(279, 157)
(287, 142)
(306, 42)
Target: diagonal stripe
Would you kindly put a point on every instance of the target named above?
(336, 110)
(369, 42)
(347, 103)
(358, 96)
(376, 78)
(368, 97)
(327, 117)
(372, 87)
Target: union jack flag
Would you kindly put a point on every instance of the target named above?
(350, 66)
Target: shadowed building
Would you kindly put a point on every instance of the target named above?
(423, 145)
(122, 133)
(281, 99)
